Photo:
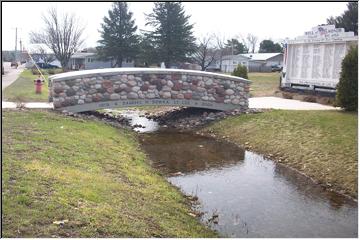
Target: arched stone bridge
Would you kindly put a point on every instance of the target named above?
(123, 87)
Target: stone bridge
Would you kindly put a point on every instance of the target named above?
(125, 87)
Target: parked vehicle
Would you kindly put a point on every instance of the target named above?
(14, 64)
(46, 66)
(276, 68)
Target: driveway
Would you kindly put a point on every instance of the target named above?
(11, 74)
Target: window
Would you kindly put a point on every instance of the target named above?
(90, 60)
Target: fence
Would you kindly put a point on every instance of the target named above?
(259, 68)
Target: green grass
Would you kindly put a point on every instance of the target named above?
(58, 168)
(264, 84)
(321, 144)
(23, 89)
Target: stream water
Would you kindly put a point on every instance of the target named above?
(243, 194)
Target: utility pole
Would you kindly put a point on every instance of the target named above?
(15, 44)
(21, 51)
(232, 47)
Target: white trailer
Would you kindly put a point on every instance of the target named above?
(313, 61)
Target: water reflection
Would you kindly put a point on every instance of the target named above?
(141, 123)
(252, 196)
(309, 189)
(176, 152)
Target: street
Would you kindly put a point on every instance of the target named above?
(11, 74)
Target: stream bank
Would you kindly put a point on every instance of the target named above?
(240, 193)
(273, 133)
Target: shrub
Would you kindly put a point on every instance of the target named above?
(51, 71)
(347, 88)
(35, 71)
(240, 71)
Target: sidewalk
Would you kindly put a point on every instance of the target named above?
(32, 105)
(286, 104)
(258, 102)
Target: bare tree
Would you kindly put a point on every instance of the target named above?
(221, 47)
(205, 52)
(251, 41)
(40, 53)
(61, 34)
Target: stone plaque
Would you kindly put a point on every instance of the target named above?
(328, 59)
(316, 72)
(151, 102)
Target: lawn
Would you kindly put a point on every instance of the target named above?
(67, 177)
(23, 89)
(263, 84)
(321, 144)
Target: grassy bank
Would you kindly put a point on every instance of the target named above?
(264, 84)
(74, 178)
(321, 144)
(23, 89)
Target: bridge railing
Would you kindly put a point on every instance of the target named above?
(123, 87)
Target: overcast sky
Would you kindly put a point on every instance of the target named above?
(265, 20)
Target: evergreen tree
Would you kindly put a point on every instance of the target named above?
(268, 46)
(235, 47)
(148, 52)
(240, 71)
(347, 88)
(172, 33)
(118, 38)
(348, 20)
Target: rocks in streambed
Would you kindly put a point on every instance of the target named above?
(188, 118)
(111, 118)
(180, 118)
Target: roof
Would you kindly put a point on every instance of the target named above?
(82, 55)
(260, 56)
(234, 56)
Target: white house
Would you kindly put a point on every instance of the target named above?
(87, 60)
(313, 61)
(262, 62)
(230, 62)
(254, 62)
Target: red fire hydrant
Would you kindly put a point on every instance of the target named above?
(38, 84)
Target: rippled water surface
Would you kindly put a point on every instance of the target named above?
(243, 194)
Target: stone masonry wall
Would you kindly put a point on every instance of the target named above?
(87, 87)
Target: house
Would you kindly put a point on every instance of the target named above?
(40, 53)
(87, 60)
(313, 61)
(254, 62)
(262, 62)
(230, 62)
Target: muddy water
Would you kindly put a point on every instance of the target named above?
(242, 194)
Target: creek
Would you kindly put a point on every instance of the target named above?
(241, 193)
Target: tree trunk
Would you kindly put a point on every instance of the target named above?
(119, 62)
(64, 65)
